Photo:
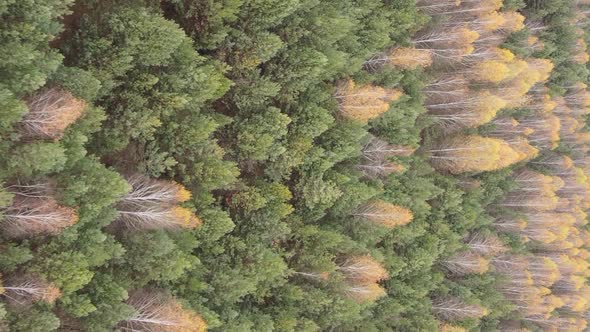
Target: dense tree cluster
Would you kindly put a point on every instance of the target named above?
(294, 165)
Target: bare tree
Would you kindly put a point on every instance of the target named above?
(32, 216)
(159, 217)
(466, 262)
(156, 311)
(486, 244)
(451, 308)
(148, 192)
(362, 269)
(26, 289)
(384, 213)
(51, 111)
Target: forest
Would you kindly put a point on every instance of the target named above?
(294, 165)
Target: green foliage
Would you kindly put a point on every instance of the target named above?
(234, 100)
(38, 158)
(26, 60)
(12, 255)
(259, 136)
(35, 319)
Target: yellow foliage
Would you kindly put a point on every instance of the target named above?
(491, 71)
(50, 294)
(185, 218)
(467, 36)
(363, 270)
(182, 320)
(365, 102)
(409, 58)
(182, 194)
(478, 154)
(492, 21)
(548, 103)
(450, 328)
(504, 54)
(366, 293)
(490, 105)
(516, 67)
(513, 21)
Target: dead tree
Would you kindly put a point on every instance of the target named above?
(486, 244)
(464, 263)
(51, 111)
(156, 311)
(362, 269)
(159, 217)
(34, 216)
(27, 289)
(148, 192)
(384, 213)
(451, 309)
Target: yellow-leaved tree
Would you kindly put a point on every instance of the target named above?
(383, 213)
(366, 102)
(460, 154)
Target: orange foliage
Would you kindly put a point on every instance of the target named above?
(466, 262)
(36, 215)
(157, 311)
(450, 308)
(384, 213)
(365, 292)
(476, 154)
(362, 270)
(28, 289)
(409, 58)
(51, 111)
